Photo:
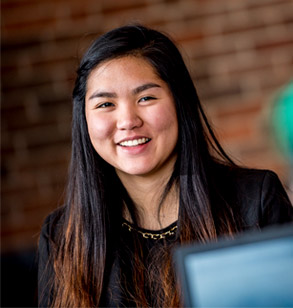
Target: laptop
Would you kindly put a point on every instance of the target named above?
(254, 269)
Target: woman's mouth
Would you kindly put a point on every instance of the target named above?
(134, 142)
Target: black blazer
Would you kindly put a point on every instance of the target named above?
(258, 196)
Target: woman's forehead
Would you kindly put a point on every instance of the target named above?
(119, 71)
(125, 60)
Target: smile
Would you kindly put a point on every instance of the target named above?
(135, 142)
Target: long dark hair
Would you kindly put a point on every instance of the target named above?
(92, 214)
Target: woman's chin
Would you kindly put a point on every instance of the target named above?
(134, 171)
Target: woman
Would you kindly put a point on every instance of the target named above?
(146, 174)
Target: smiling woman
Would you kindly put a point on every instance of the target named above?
(146, 174)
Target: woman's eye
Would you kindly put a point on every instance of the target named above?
(146, 98)
(104, 105)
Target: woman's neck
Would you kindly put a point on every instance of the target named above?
(146, 193)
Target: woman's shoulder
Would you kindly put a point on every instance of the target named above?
(247, 174)
(261, 196)
(52, 223)
(48, 235)
(248, 178)
(258, 196)
(259, 183)
(49, 231)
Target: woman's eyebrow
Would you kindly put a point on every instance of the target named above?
(103, 94)
(145, 87)
(135, 91)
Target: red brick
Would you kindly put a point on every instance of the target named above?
(239, 53)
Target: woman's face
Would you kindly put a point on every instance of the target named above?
(131, 117)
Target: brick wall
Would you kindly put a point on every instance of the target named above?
(239, 53)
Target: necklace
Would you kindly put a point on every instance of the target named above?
(153, 236)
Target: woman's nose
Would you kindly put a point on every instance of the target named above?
(128, 118)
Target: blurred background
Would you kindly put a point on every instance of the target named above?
(240, 55)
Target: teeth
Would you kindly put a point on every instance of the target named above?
(135, 142)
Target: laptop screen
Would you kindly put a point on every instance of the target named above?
(254, 270)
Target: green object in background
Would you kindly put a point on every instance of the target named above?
(282, 120)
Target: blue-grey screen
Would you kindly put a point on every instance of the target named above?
(251, 275)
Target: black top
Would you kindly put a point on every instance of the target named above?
(260, 200)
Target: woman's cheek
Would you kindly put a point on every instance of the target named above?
(163, 118)
(100, 128)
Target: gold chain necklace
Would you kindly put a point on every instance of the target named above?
(153, 236)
